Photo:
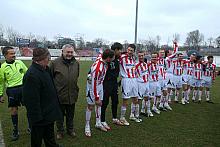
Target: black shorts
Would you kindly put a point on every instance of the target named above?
(14, 96)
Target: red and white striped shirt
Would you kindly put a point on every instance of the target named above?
(142, 72)
(178, 67)
(153, 72)
(197, 71)
(127, 66)
(209, 70)
(161, 66)
(169, 60)
(98, 71)
(188, 67)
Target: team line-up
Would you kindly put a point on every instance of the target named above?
(142, 81)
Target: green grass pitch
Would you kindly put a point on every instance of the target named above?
(190, 125)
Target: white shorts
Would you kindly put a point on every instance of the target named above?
(154, 89)
(197, 83)
(185, 79)
(178, 82)
(129, 88)
(143, 90)
(190, 80)
(169, 80)
(90, 94)
(207, 81)
(163, 84)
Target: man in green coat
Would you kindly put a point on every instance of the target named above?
(65, 73)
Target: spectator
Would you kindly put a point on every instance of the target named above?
(41, 100)
(65, 73)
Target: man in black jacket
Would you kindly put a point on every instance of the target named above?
(110, 86)
(41, 100)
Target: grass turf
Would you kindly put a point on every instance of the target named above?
(190, 125)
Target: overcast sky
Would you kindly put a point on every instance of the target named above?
(113, 20)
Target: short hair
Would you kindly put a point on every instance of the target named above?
(210, 57)
(194, 54)
(198, 57)
(5, 50)
(116, 45)
(67, 46)
(132, 46)
(107, 53)
(179, 53)
(141, 51)
(155, 53)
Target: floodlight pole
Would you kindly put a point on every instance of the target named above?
(136, 20)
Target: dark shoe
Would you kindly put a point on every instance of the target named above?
(15, 135)
(209, 101)
(60, 136)
(199, 102)
(142, 113)
(72, 134)
(145, 114)
(162, 109)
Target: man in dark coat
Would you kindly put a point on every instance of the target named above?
(41, 100)
(65, 73)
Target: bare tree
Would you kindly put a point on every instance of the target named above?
(1, 34)
(217, 41)
(30, 36)
(210, 42)
(80, 43)
(151, 44)
(12, 35)
(99, 42)
(194, 39)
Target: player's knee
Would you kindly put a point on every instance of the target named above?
(90, 107)
(135, 100)
(164, 92)
(125, 102)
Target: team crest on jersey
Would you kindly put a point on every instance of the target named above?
(112, 65)
(129, 64)
(21, 70)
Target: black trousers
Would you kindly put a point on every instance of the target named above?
(43, 132)
(110, 90)
(68, 111)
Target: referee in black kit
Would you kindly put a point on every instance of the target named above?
(110, 86)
